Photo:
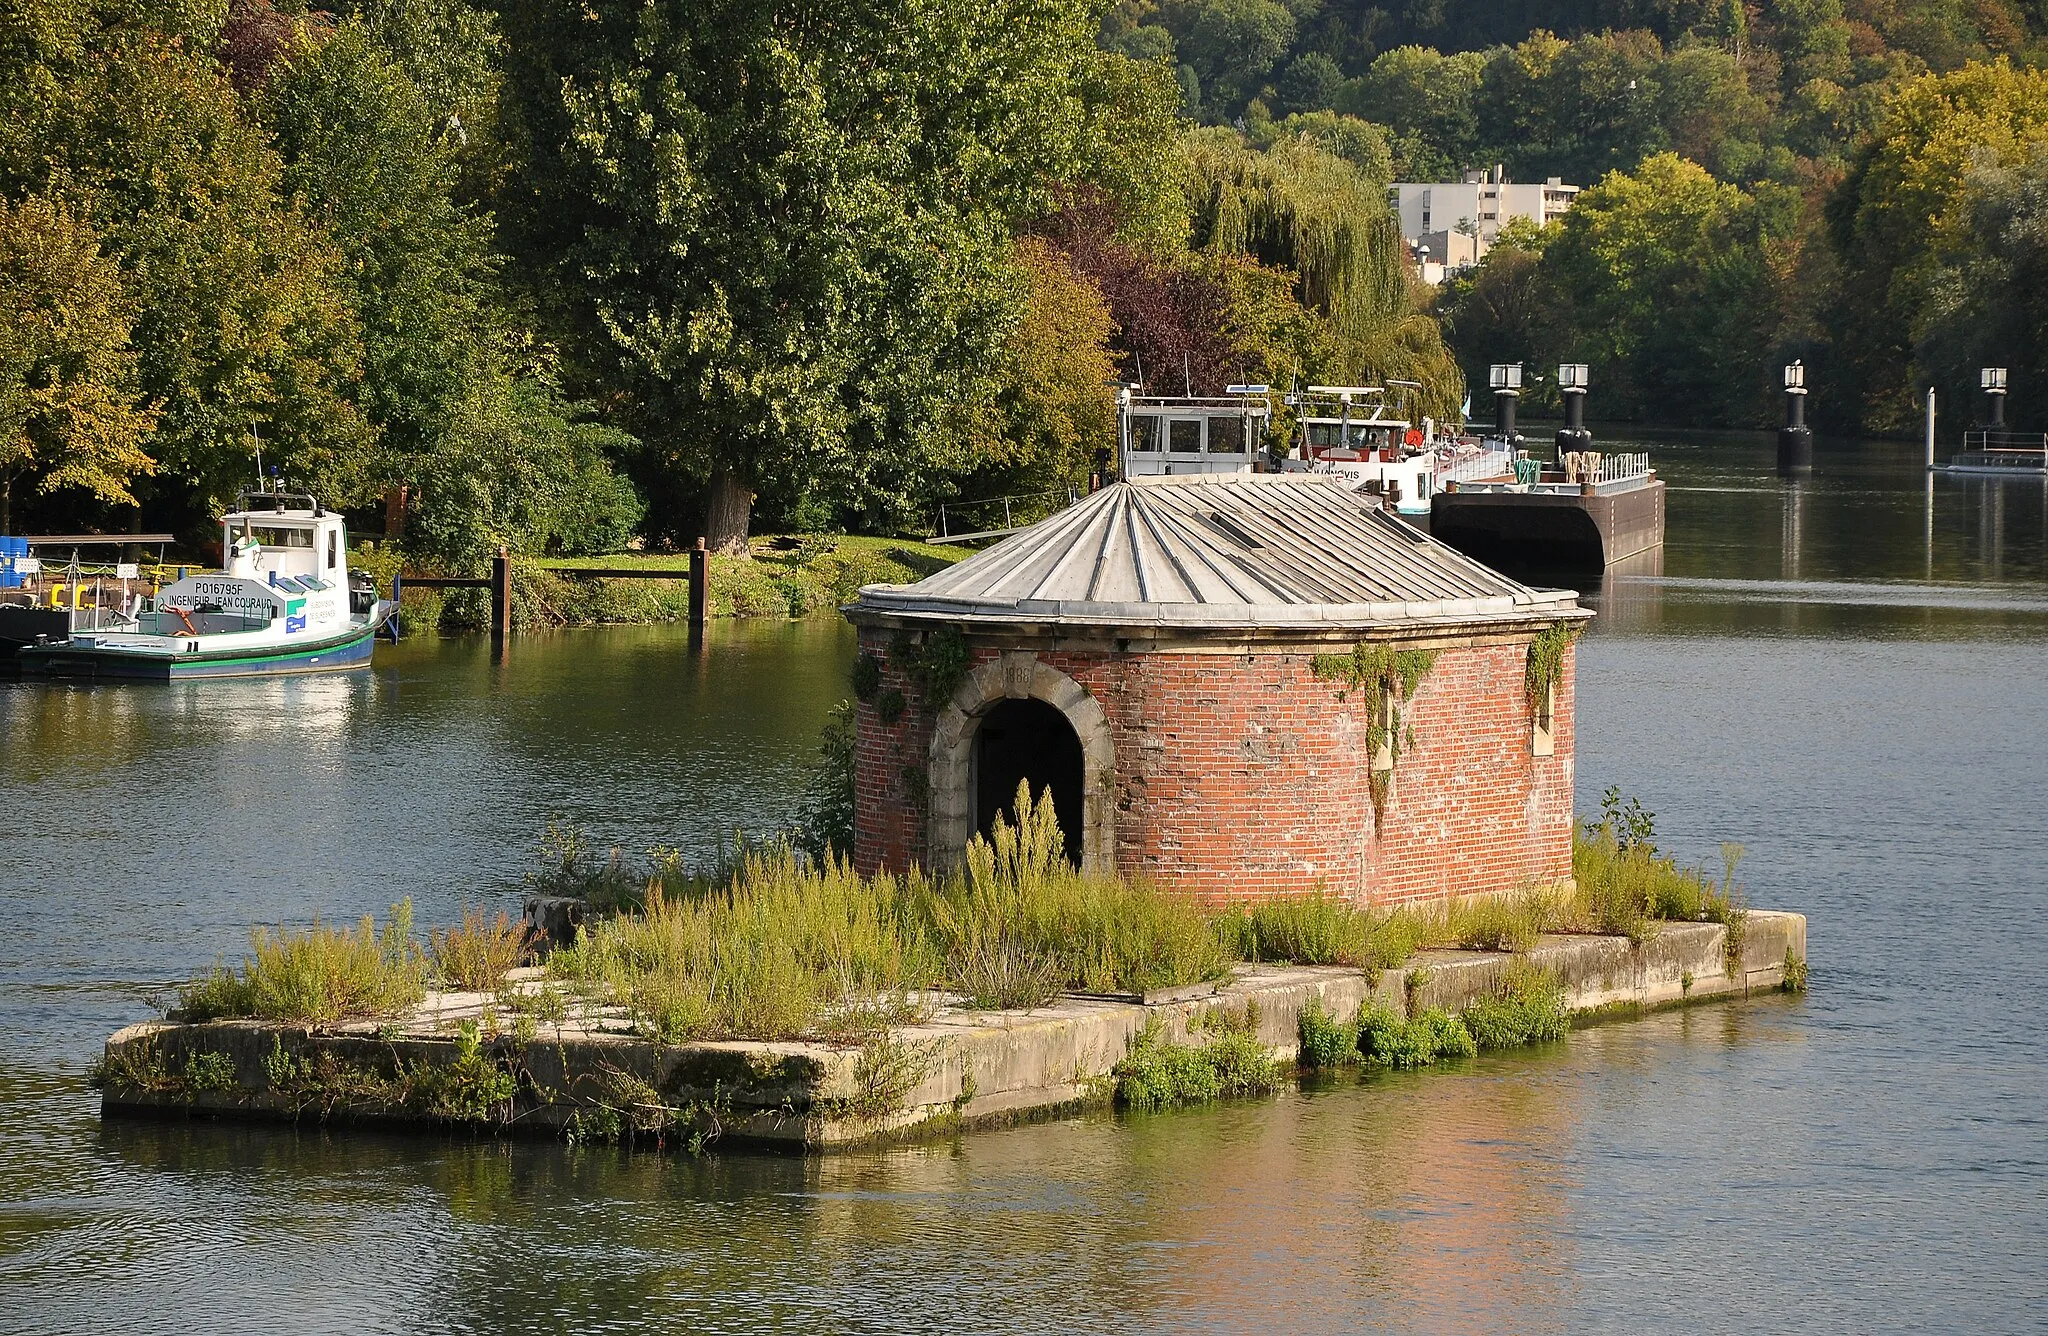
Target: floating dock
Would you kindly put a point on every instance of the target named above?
(471, 1061)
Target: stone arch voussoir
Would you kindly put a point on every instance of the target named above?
(1019, 675)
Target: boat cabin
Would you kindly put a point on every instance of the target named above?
(1158, 435)
(283, 556)
(1346, 430)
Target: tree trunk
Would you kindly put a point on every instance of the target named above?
(727, 511)
(6, 499)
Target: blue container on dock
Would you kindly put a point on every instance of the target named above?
(10, 548)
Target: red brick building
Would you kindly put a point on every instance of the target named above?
(1245, 685)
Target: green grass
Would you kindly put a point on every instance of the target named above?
(801, 576)
(1625, 888)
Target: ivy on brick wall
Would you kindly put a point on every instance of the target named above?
(937, 662)
(1546, 661)
(1389, 678)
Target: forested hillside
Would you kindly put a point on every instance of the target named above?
(1855, 182)
(577, 272)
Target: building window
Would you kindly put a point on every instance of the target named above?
(1543, 725)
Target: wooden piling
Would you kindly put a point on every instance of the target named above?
(700, 586)
(501, 595)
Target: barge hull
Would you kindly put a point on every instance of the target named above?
(1552, 530)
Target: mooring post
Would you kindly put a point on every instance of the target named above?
(1573, 381)
(1992, 380)
(700, 586)
(1930, 428)
(501, 595)
(1795, 438)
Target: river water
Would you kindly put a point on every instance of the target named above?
(1847, 676)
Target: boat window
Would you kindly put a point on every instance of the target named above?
(274, 536)
(331, 537)
(1144, 433)
(1226, 435)
(1325, 434)
(1184, 436)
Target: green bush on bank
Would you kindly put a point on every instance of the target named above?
(1156, 1074)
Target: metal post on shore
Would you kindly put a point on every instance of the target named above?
(700, 588)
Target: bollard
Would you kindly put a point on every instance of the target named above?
(700, 586)
(501, 595)
(1573, 436)
(1795, 438)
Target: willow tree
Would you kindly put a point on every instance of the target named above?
(780, 229)
(1298, 207)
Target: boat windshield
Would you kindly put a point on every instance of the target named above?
(272, 535)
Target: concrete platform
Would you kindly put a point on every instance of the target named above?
(958, 1068)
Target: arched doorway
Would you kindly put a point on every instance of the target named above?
(1032, 741)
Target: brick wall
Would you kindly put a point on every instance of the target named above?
(1245, 775)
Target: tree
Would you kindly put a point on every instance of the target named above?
(780, 230)
(1427, 100)
(1660, 274)
(1301, 209)
(1983, 306)
(68, 410)
(1055, 409)
(240, 310)
(1907, 214)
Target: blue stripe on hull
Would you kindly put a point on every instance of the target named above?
(328, 658)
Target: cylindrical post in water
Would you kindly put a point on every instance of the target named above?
(1507, 387)
(1992, 379)
(1795, 438)
(1573, 436)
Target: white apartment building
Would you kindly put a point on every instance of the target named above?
(1483, 200)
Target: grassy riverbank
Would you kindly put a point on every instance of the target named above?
(800, 576)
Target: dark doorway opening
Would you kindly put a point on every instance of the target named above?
(1028, 740)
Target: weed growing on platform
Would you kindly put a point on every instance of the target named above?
(1528, 1008)
(1098, 934)
(316, 976)
(785, 948)
(1511, 922)
(1387, 1040)
(1626, 887)
(570, 868)
(1795, 972)
(476, 956)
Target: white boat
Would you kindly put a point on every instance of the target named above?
(286, 603)
(1346, 430)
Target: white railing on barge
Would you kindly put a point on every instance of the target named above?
(1617, 472)
(1470, 468)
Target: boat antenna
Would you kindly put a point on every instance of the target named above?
(257, 437)
(1139, 358)
(1187, 378)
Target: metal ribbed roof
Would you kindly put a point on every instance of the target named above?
(1220, 550)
